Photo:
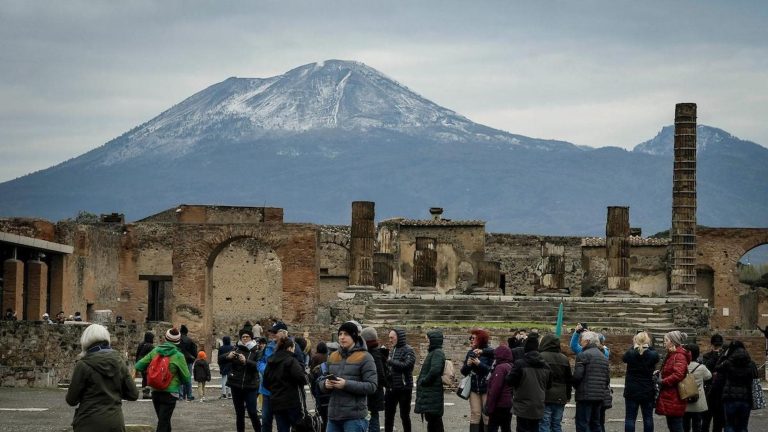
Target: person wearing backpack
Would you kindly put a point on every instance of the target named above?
(166, 370)
(244, 380)
(429, 385)
(375, 400)
(189, 349)
(202, 374)
(284, 377)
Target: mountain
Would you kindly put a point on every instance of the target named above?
(324, 134)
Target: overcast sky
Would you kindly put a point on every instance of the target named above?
(75, 74)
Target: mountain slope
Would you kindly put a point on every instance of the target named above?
(324, 134)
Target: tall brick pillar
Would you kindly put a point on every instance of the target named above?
(683, 233)
(361, 244)
(617, 250)
(13, 286)
(37, 284)
(58, 302)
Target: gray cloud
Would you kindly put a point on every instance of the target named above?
(75, 74)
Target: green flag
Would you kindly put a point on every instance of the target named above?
(559, 325)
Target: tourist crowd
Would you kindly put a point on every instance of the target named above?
(356, 378)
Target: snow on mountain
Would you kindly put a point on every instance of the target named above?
(706, 136)
(333, 94)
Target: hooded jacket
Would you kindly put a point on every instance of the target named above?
(401, 362)
(243, 376)
(178, 365)
(499, 391)
(560, 391)
(530, 379)
(429, 386)
(592, 375)
(376, 400)
(146, 346)
(99, 383)
(356, 366)
(201, 370)
(738, 371)
(285, 379)
(225, 369)
(638, 383)
(673, 371)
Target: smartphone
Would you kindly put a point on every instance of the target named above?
(331, 377)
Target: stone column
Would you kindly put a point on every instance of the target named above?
(617, 251)
(13, 286)
(37, 283)
(57, 285)
(552, 269)
(683, 233)
(425, 262)
(361, 244)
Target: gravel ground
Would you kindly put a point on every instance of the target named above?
(218, 415)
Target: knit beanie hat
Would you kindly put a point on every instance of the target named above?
(352, 328)
(677, 337)
(201, 355)
(369, 334)
(173, 336)
(245, 331)
(531, 344)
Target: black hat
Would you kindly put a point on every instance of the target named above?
(531, 344)
(277, 326)
(245, 331)
(351, 328)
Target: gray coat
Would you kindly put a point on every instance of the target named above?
(357, 367)
(592, 375)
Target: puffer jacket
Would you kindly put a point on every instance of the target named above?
(499, 394)
(530, 379)
(673, 371)
(376, 400)
(638, 383)
(356, 366)
(401, 362)
(480, 378)
(225, 348)
(99, 383)
(592, 375)
(201, 371)
(738, 371)
(284, 377)
(560, 391)
(243, 376)
(700, 374)
(429, 386)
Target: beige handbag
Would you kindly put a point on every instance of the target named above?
(687, 388)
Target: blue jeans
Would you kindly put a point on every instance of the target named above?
(675, 424)
(351, 425)
(266, 414)
(553, 418)
(186, 388)
(632, 406)
(736, 415)
(588, 416)
(286, 418)
(374, 425)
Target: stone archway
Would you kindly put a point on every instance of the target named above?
(245, 284)
(720, 249)
(196, 247)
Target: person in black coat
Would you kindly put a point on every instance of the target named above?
(714, 413)
(376, 400)
(401, 361)
(737, 371)
(188, 347)
(143, 349)
(639, 392)
(244, 379)
(225, 369)
(284, 377)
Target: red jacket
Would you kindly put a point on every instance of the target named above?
(673, 371)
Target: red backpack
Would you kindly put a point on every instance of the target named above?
(159, 372)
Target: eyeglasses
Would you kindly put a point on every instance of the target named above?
(471, 338)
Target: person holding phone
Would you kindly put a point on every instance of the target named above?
(244, 379)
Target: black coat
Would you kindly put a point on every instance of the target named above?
(429, 389)
(189, 348)
(401, 362)
(376, 400)
(560, 392)
(284, 377)
(480, 378)
(243, 376)
(592, 375)
(225, 369)
(530, 379)
(201, 371)
(638, 384)
(738, 371)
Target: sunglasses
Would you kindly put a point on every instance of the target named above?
(471, 338)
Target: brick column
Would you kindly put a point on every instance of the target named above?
(37, 283)
(683, 233)
(425, 262)
(13, 290)
(57, 285)
(617, 251)
(361, 244)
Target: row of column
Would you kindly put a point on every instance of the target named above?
(36, 287)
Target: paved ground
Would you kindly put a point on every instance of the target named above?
(42, 410)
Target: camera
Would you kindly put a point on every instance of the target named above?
(472, 354)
